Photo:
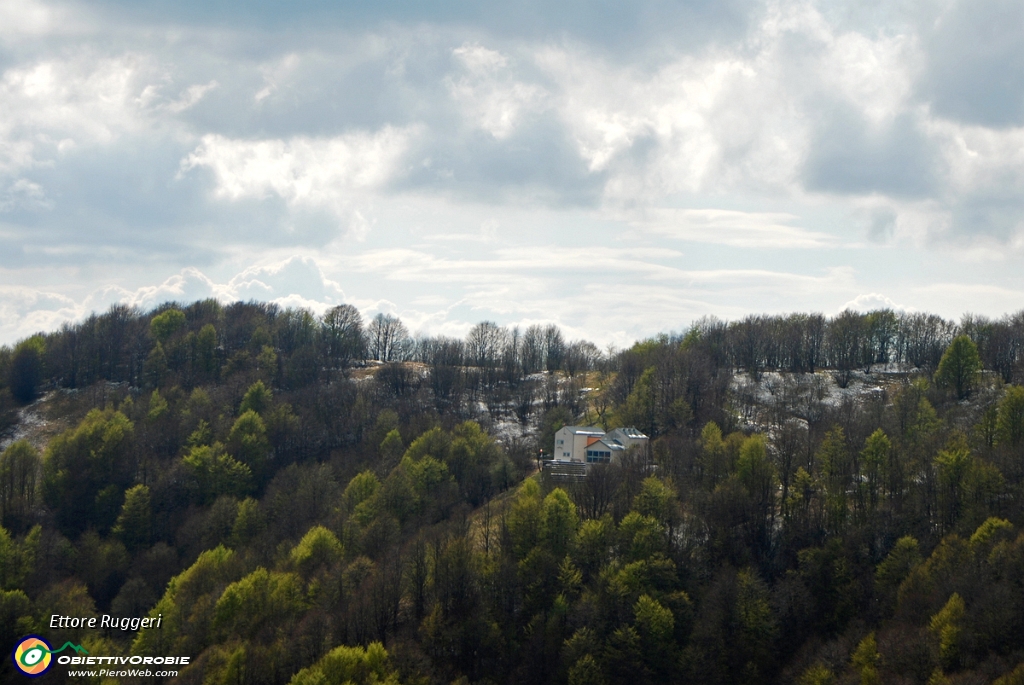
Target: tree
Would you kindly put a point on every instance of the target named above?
(257, 398)
(386, 338)
(26, 370)
(248, 443)
(865, 659)
(167, 323)
(155, 369)
(960, 367)
(341, 333)
(215, 473)
(757, 475)
(558, 523)
(946, 627)
(19, 467)
(874, 458)
(85, 462)
(134, 523)
(206, 352)
(355, 665)
(845, 345)
(554, 348)
(319, 548)
(485, 343)
(1010, 417)
(836, 471)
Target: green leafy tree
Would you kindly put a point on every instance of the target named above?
(954, 466)
(947, 627)
(757, 475)
(360, 489)
(1010, 417)
(186, 606)
(167, 323)
(818, 674)
(257, 398)
(319, 548)
(84, 463)
(865, 660)
(713, 456)
(346, 665)
(16, 619)
(391, 449)
(559, 523)
(874, 458)
(656, 626)
(248, 443)
(215, 473)
(960, 367)
(1015, 677)
(640, 536)
(525, 518)
(262, 600)
(897, 565)
(134, 524)
(249, 522)
(586, 671)
(655, 499)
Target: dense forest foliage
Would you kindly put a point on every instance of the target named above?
(323, 500)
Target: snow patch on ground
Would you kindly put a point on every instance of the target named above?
(807, 395)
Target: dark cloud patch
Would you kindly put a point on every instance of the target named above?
(999, 218)
(636, 27)
(975, 67)
(538, 162)
(882, 225)
(321, 94)
(852, 156)
(130, 204)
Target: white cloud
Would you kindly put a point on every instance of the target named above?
(872, 301)
(24, 194)
(489, 93)
(730, 227)
(25, 18)
(294, 276)
(333, 174)
(25, 311)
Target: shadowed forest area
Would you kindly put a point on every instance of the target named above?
(322, 500)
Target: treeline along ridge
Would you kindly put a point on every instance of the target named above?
(319, 499)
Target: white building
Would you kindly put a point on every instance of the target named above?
(591, 445)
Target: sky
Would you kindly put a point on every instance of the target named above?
(618, 169)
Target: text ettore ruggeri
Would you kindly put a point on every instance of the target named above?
(125, 623)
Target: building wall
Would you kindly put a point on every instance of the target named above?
(571, 442)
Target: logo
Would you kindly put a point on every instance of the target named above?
(33, 656)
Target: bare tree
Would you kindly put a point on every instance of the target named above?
(554, 348)
(341, 333)
(532, 350)
(485, 344)
(387, 338)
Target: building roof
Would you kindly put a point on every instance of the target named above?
(583, 430)
(631, 433)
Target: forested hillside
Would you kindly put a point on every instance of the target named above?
(319, 499)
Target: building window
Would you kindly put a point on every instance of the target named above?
(598, 457)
